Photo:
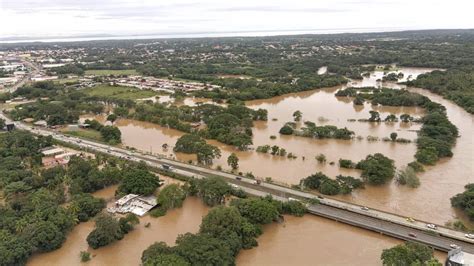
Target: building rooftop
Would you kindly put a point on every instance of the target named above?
(459, 257)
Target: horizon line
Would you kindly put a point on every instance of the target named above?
(209, 34)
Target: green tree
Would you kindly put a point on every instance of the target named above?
(112, 118)
(374, 116)
(128, 222)
(171, 196)
(166, 260)
(226, 223)
(408, 177)
(297, 115)
(14, 250)
(329, 187)
(156, 249)
(86, 206)
(406, 118)
(107, 230)
(233, 161)
(203, 249)
(286, 130)
(409, 253)
(212, 190)
(44, 236)
(427, 155)
(85, 256)
(376, 169)
(321, 158)
(138, 180)
(393, 136)
(464, 201)
(111, 134)
(257, 210)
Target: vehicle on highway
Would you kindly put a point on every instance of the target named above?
(470, 236)
(412, 235)
(320, 197)
(409, 219)
(292, 199)
(432, 226)
(234, 186)
(454, 246)
(238, 178)
(257, 182)
(364, 208)
(167, 167)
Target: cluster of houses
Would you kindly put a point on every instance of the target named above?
(152, 83)
(14, 69)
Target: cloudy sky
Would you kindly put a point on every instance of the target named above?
(35, 18)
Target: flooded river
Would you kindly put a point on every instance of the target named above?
(428, 202)
(309, 240)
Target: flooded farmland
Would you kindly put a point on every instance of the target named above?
(299, 240)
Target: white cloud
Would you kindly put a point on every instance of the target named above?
(71, 17)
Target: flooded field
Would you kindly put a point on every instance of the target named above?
(299, 241)
(307, 240)
(127, 251)
(428, 202)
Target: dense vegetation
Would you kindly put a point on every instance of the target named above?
(194, 144)
(465, 201)
(376, 169)
(109, 134)
(31, 216)
(109, 229)
(454, 84)
(230, 125)
(437, 135)
(312, 131)
(328, 186)
(137, 179)
(409, 253)
(170, 197)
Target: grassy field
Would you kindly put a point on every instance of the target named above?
(85, 133)
(124, 93)
(66, 80)
(106, 72)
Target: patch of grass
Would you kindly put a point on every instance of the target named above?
(118, 92)
(66, 80)
(85, 133)
(107, 72)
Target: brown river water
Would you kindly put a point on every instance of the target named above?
(309, 240)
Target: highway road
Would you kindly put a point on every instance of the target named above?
(33, 70)
(371, 219)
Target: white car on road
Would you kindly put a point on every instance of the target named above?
(432, 226)
(470, 236)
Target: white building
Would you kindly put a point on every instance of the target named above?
(131, 203)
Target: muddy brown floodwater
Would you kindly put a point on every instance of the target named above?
(127, 251)
(310, 240)
(428, 202)
(313, 240)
